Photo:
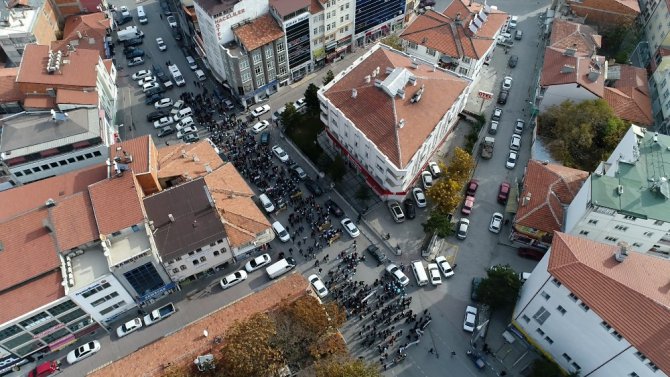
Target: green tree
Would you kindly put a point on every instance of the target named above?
(543, 367)
(500, 288)
(580, 135)
(363, 193)
(446, 193)
(393, 41)
(311, 99)
(345, 367)
(440, 223)
(337, 169)
(290, 118)
(329, 77)
(247, 350)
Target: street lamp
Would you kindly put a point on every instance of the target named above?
(478, 333)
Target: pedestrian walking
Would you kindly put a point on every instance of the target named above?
(161, 16)
(431, 350)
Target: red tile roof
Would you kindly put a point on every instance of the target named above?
(116, 203)
(76, 97)
(555, 61)
(74, 221)
(315, 6)
(30, 296)
(77, 69)
(9, 89)
(137, 148)
(631, 296)
(567, 34)
(24, 198)
(632, 105)
(376, 114)
(546, 190)
(93, 29)
(187, 159)
(29, 248)
(39, 102)
(183, 346)
(258, 32)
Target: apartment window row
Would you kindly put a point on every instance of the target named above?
(621, 228)
(541, 315)
(60, 163)
(545, 295)
(95, 290)
(113, 307)
(104, 299)
(556, 282)
(611, 239)
(593, 222)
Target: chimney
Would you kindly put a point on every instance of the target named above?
(526, 199)
(354, 93)
(622, 252)
(171, 217)
(367, 79)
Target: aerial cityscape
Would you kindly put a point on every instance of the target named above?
(335, 188)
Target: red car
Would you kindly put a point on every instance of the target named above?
(533, 254)
(503, 193)
(472, 187)
(45, 369)
(467, 206)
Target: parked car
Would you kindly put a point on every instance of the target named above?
(148, 86)
(410, 210)
(419, 197)
(172, 21)
(473, 185)
(298, 172)
(146, 80)
(161, 45)
(528, 253)
(229, 104)
(313, 187)
(165, 102)
(156, 115)
(496, 222)
(157, 90)
(260, 126)
(470, 320)
(300, 104)
(507, 83)
(377, 254)
(135, 62)
(511, 160)
(191, 138)
(434, 169)
(45, 369)
(279, 152)
(318, 286)
(165, 131)
(233, 279)
(260, 110)
(497, 114)
(129, 327)
(265, 138)
(502, 97)
(513, 60)
(257, 263)
(396, 211)
(397, 274)
(515, 142)
(135, 53)
(350, 227)
(427, 180)
(444, 266)
(467, 205)
(333, 208)
(518, 34)
(434, 274)
(83, 351)
(141, 74)
(187, 130)
(503, 193)
(162, 122)
(518, 126)
(462, 229)
(152, 98)
(133, 42)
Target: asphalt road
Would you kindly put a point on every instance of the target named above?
(447, 302)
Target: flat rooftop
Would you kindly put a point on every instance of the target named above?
(89, 266)
(28, 133)
(638, 187)
(124, 248)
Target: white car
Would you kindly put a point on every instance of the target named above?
(148, 86)
(350, 227)
(279, 152)
(318, 286)
(165, 102)
(260, 126)
(161, 44)
(184, 123)
(124, 11)
(434, 169)
(419, 197)
(258, 262)
(496, 222)
(162, 122)
(470, 320)
(515, 143)
(511, 160)
(141, 74)
(427, 180)
(300, 104)
(128, 327)
(234, 278)
(507, 83)
(83, 351)
(185, 131)
(397, 274)
(147, 80)
(172, 21)
(434, 274)
(462, 229)
(260, 110)
(444, 266)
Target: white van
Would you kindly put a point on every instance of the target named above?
(183, 113)
(266, 203)
(281, 231)
(419, 273)
(280, 268)
(200, 75)
(141, 15)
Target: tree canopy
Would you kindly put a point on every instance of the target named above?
(311, 99)
(342, 367)
(580, 135)
(500, 288)
(439, 222)
(290, 117)
(329, 77)
(446, 192)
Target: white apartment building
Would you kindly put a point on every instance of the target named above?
(655, 15)
(660, 89)
(105, 85)
(388, 112)
(597, 309)
(339, 27)
(626, 198)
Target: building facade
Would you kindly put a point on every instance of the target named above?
(23, 23)
(376, 19)
(294, 19)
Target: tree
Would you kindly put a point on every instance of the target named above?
(440, 223)
(460, 166)
(543, 367)
(247, 351)
(363, 193)
(500, 288)
(344, 367)
(311, 99)
(580, 135)
(393, 41)
(290, 117)
(329, 77)
(446, 193)
(337, 169)
(328, 345)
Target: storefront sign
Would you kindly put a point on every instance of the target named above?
(49, 331)
(158, 292)
(295, 20)
(62, 342)
(9, 362)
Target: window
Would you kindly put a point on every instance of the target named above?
(539, 331)
(182, 267)
(271, 65)
(246, 76)
(549, 340)
(633, 374)
(573, 297)
(216, 253)
(328, 27)
(80, 158)
(567, 357)
(280, 46)
(666, 94)
(463, 71)
(71, 160)
(466, 60)
(281, 58)
(256, 57)
(652, 366)
(606, 325)
(631, 218)
(412, 45)
(260, 80)
(45, 167)
(525, 318)
(258, 70)
(594, 222)
(316, 30)
(561, 309)
(37, 169)
(541, 315)
(54, 164)
(648, 234)
(576, 366)
(621, 228)
(430, 51)
(175, 270)
(545, 295)
(342, 19)
(610, 238)
(616, 335)
(115, 306)
(19, 174)
(282, 71)
(203, 259)
(244, 64)
(556, 282)
(584, 306)
(637, 244)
